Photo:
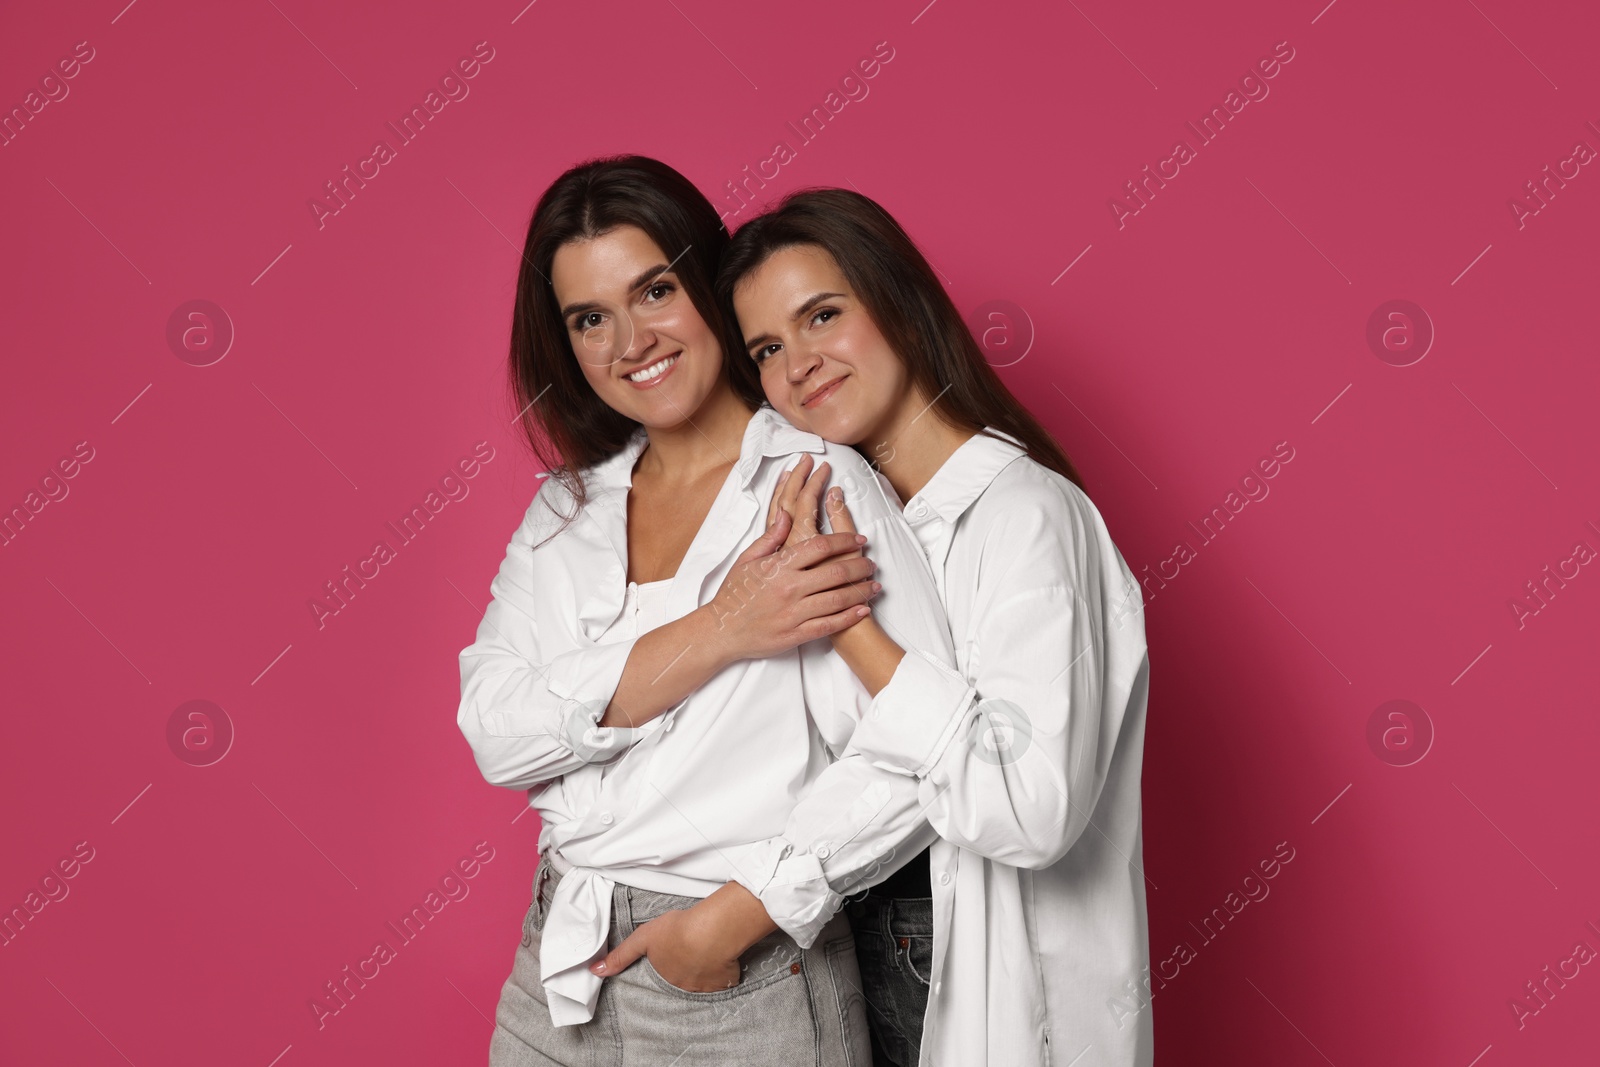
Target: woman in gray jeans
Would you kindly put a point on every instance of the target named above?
(664, 675)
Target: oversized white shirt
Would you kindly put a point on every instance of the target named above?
(679, 804)
(1040, 928)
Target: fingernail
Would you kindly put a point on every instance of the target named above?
(877, 587)
(861, 539)
(599, 968)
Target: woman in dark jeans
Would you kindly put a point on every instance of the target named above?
(1023, 926)
(893, 924)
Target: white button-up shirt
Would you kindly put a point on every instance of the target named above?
(1040, 935)
(679, 804)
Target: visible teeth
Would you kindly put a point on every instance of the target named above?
(652, 370)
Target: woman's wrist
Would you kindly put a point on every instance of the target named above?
(869, 652)
(738, 919)
(716, 631)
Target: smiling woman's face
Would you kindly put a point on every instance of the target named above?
(824, 364)
(626, 314)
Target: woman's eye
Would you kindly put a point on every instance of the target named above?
(823, 315)
(658, 291)
(586, 321)
(764, 351)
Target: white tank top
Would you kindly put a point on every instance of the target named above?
(643, 608)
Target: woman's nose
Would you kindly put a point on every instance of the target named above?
(802, 361)
(637, 337)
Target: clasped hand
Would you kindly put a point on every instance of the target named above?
(794, 584)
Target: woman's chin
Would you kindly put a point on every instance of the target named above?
(836, 430)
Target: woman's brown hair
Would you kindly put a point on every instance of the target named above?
(900, 291)
(567, 426)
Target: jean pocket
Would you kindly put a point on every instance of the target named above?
(763, 965)
(917, 952)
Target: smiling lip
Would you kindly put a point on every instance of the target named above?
(650, 383)
(822, 393)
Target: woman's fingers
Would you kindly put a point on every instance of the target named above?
(840, 599)
(777, 495)
(839, 513)
(828, 625)
(776, 534)
(813, 550)
(836, 573)
(625, 954)
(808, 500)
(794, 483)
(805, 498)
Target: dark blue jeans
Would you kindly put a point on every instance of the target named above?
(894, 946)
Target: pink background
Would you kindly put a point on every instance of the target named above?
(1228, 315)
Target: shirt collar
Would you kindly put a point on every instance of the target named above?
(768, 434)
(964, 476)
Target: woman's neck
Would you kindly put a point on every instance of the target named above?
(701, 444)
(914, 443)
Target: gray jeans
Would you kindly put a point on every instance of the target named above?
(791, 1006)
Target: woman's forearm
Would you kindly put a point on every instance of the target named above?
(666, 665)
(870, 652)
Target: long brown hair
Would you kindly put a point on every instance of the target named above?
(900, 291)
(567, 426)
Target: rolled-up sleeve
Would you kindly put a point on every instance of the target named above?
(914, 718)
(532, 696)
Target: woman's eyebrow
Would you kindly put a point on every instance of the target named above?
(644, 277)
(799, 313)
(648, 276)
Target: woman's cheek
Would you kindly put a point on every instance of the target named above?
(782, 399)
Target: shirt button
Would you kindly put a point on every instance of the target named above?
(823, 852)
(607, 818)
(919, 509)
(944, 879)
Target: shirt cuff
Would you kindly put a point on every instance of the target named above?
(793, 889)
(913, 719)
(586, 680)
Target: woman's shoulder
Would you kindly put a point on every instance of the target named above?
(553, 512)
(867, 492)
(1028, 505)
(785, 445)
